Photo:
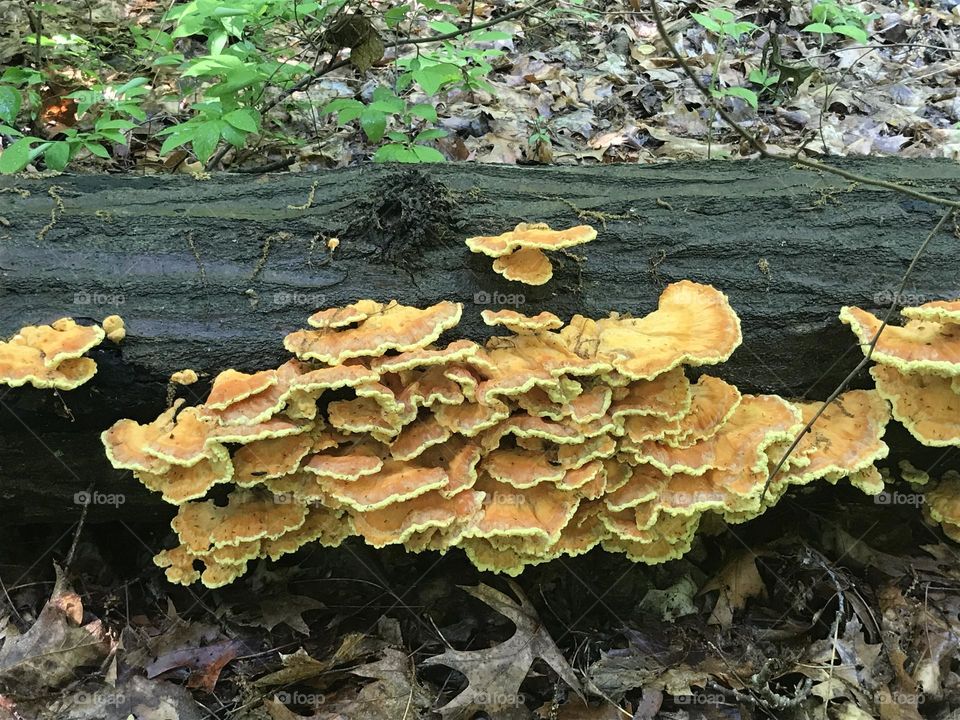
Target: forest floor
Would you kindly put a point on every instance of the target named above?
(831, 606)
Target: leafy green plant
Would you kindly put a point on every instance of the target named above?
(724, 24)
(388, 109)
(831, 18)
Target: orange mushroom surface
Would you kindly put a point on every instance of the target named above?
(549, 441)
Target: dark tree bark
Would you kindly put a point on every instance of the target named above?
(212, 274)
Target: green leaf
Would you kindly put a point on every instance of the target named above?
(397, 136)
(373, 123)
(744, 93)
(443, 27)
(114, 124)
(9, 103)
(396, 15)
(428, 154)
(217, 41)
(707, 22)
(737, 29)
(425, 111)
(205, 139)
(235, 137)
(242, 119)
(821, 28)
(181, 135)
(722, 15)
(432, 77)
(430, 134)
(852, 31)
(222, 12)
(386, 101)
(490, 35)
(15, 158)
(97, 149)
(395, 152)
(57, 155)
(132, 84)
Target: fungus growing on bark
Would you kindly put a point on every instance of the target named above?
(114, 328)
(926, 405)
(919, 346)
(549, 441)
(393, 327)
(184, 377)
(520, 323)
(50, 356)
(519, 253)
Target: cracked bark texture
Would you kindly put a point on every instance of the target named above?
(212, 274)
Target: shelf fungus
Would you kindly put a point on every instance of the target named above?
(917, 367)
(549, 439)
(50, 356)
(519, 254)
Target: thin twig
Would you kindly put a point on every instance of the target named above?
(866, 357)
(762, 150)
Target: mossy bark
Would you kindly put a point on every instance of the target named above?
(211, 274)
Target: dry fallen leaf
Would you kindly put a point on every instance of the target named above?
(737, 581)
(494, 674)
(49, 654)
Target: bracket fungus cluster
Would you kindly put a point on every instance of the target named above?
(52, 356)
(549, 439)
(917, 371)
(917, 367)
(519, 254)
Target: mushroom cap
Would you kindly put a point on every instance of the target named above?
(693, 325)
(232, 386)
(926, 405)
(396, 327)
(758, 422)
(399, 522)
(21, 364)
(919, 346)
(114, 328)
(184, 377)
(527, 235)
(61, 340)
(395, 482)
(347, 315)
(541, 511)
(943, 500)
(180, 483)
(520, 323)
(203, 526)
(940, 311)
(529, 266)
(457, 351)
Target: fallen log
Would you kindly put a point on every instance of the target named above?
(210, 274)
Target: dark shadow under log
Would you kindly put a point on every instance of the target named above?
(212, 274)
